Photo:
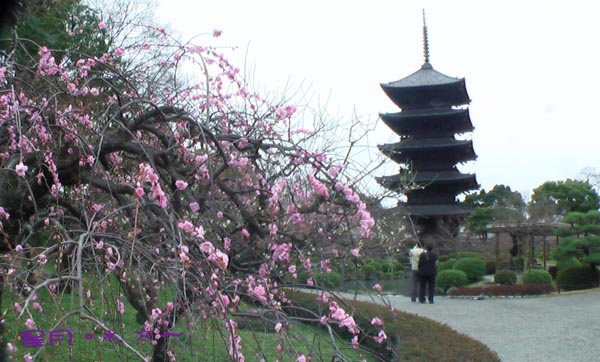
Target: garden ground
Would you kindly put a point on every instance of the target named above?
(558, 327)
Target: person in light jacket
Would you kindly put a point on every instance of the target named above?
(427, 273)
(414, 254)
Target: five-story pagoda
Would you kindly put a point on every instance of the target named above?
(434, 109)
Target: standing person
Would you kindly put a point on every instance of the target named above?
(414, 254)
(427, 273)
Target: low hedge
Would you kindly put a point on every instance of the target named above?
(576, 277)
(537, 276)
(447, 279)
(409, 336)
(446, 264)
(504, 290)
(505, 277)
(473, 267)
(466, 254)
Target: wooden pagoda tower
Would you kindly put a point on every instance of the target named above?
(433, 111)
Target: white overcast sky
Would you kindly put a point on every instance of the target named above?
(532, 68)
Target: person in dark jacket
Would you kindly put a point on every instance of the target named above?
(428, 272)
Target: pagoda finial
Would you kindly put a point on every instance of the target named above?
(425, 40)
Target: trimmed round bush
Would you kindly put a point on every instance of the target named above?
(576, 277)
(450, 278)
(473, 267)
(447, 264)
(505, 277)
(537, 276)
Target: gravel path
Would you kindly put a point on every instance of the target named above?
(562, 328)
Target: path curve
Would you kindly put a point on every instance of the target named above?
(548, 328)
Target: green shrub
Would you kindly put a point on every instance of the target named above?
(447, 264)
(369, 271)
(490, 267)
(565, 263)
(331, 279)
(450, 278)
(386, 267)
(505, 277)
(466, 254)
(473, 267)
(537, 276)
(302, 275)
(576, 277)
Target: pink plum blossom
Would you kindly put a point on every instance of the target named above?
(355, 342)
(194, 206)
(139, 192)
(29, 323)
(119, 52)
(376, 322)
(259, 292)
(377, 287)
(181, 185)
(21, 169)
(380, 337)
(285, 112)
(245, 233)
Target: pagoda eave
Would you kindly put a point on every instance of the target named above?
(423, 96)
(429, 177)
(411, 122)
(426, 144)
(435, 210)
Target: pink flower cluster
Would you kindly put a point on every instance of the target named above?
(216, 256)
(366, 221)
(147, 174)
(285, 112)
(345, 320)
(47, 65)
(318, 187)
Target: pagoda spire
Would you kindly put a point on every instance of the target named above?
(425, 41)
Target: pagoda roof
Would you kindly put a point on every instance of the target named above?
(430, 120)
(435, 209)
(453, 182)
(427, 88)
(426, 76)
(424, 144)
(412, 149)
(430, 177)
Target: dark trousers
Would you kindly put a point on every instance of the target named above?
(415, 282)
(427, 283)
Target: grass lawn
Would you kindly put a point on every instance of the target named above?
(200, 339)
